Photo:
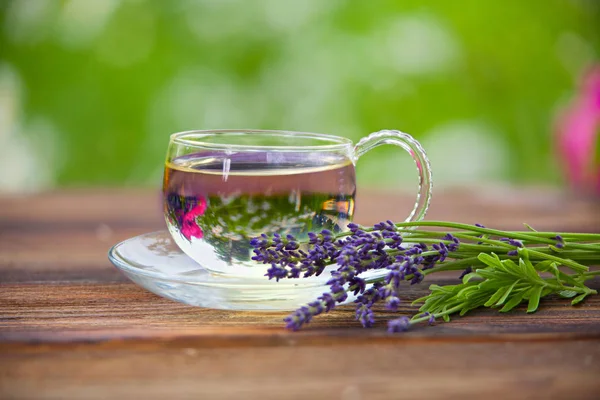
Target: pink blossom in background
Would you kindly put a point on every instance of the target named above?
(578, 131)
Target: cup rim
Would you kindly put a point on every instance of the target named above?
(332, 142)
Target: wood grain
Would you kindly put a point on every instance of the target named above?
(86, 312)
(504, 370)
(71, 326)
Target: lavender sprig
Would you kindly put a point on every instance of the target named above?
(409, 256)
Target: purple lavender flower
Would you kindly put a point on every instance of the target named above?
(338, 293)
(328, 301)
(516, 243)
(468, 270)
(385, 226)
(560, 242)
(455, 242)
(417, 278)
(442, 252)
(353, 227)
(363, 302)
(276, 272)
(353, 254)
(365, 315)
(392, 303)
(512, 242)
(371, 295)
(356, 285)
(285, 254)
(395, 275)
(398, 325)
(325, 303)
(301, 316)
(431, 319)
(416, 249)
(480, 236)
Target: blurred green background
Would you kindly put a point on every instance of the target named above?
(91, 89)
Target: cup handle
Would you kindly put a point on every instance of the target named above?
(416, 151)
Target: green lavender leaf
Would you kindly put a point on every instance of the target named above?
(528, 269)
(487, 273)
(545, 266)
(534, 299)
(464, 292)
(529, 227)
(566, 278)
(500, 293)
(555, 249)
(579, 299)
(510, 267)
(507, 293)
(546, 291)
(491, 260)
(514, 301)
(567, 293)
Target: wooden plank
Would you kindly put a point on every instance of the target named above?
(57, 312)
(503, 370)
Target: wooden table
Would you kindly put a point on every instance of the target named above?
(71, 326)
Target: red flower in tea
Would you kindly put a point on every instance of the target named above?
(189, 226)
(579, 136)
(199, 208)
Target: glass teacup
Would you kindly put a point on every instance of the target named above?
(223, 187)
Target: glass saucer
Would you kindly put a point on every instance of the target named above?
(154, 262)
